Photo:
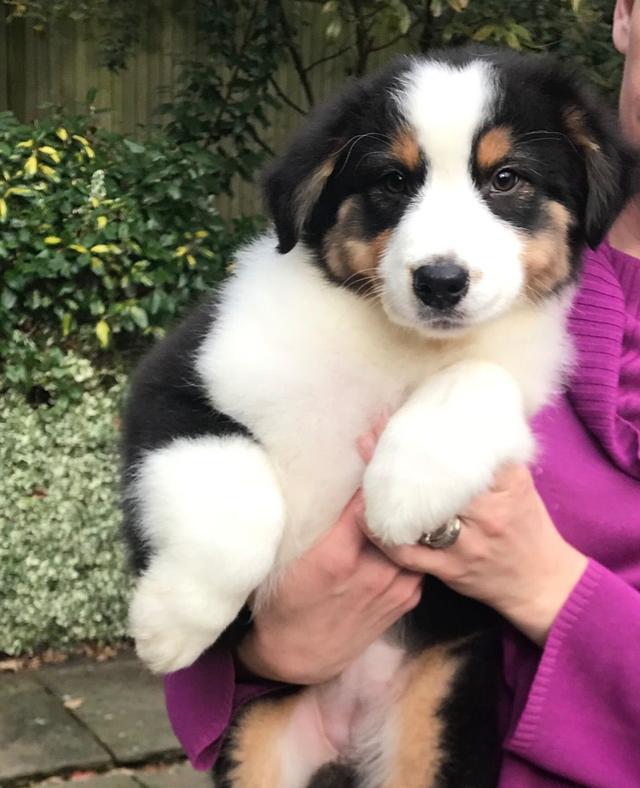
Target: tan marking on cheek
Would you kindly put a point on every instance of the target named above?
(347, 251)
(546, 254)
(577, 128)
(405, 148)
(493, 147)
(417, 758)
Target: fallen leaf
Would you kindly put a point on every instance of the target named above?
(10, 665)
(81, 775)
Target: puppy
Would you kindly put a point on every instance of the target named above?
(428, 229)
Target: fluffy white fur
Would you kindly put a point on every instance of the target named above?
(307, 380)
(307, 367)
(214, 514)
(448, 218)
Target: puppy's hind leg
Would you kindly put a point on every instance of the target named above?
(212, 514)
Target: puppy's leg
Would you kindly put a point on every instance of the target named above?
(415, 728)
(280, 743)
(442, 448)
(212, 513)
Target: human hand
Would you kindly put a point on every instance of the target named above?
(331, 604)
(509, 555)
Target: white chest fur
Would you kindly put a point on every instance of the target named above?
(308, 366)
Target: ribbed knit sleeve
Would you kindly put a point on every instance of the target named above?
(605, 325)
(202, 700)
(581, 720)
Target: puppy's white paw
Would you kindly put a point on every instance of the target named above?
(173, 622)
(416, 480)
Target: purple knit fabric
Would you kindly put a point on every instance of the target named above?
(571, 711)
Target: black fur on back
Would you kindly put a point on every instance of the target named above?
(166, 400)
(470, 741)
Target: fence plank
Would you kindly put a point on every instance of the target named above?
(62, 66)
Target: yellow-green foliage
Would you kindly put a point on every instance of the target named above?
(63, 576)
(103, 238)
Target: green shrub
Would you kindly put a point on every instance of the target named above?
(102, 239)
(63, 578)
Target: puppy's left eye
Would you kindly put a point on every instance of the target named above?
(505, 180)
(394, 182)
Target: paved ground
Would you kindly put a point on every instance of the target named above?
(61, 724)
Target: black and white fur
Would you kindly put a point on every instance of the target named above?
(240, 433)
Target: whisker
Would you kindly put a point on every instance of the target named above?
(354, 141)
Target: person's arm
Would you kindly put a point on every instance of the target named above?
(581, 720)
(203, 699)
(330, 605)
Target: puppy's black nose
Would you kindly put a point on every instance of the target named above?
(441, 285)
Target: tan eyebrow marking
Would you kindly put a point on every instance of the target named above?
(405, 147)
(494, 146)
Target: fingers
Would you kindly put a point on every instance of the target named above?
(366, 444)
(404, 596)
(416, 558)
(511, 476)
(345, 535)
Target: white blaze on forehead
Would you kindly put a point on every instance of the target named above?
(446, 105)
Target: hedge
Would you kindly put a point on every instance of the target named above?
(104, 242)
(62, 565)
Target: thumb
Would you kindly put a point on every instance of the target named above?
(346, 535)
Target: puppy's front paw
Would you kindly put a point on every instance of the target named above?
(406, 495)
(173, 622)
(415, 482)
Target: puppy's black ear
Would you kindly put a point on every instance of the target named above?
(294, 182)
(612, 167)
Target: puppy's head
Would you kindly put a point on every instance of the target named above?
(453, 187)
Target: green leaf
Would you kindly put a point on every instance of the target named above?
(134, 147)
(512, 40)
(333, 29)
(483, 33)
(9, 298)
(66, 324)
(139, 316)
(103, 332)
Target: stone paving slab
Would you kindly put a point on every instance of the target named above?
(121, 703)
(177, 776)
(37, 734)
(111, 780)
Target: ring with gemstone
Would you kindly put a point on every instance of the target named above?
(444, 536)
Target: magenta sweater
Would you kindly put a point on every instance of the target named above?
(572, 710)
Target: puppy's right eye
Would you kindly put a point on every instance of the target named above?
(394, 182)
(505, 180)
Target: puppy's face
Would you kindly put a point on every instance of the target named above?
(453, 188)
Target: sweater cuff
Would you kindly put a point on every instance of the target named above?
(202, 700)
(526, 731)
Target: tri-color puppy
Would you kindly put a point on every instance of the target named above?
(429, 225)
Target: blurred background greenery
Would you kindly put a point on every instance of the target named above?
(131, 139)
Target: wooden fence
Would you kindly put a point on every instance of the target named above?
(61, 66)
